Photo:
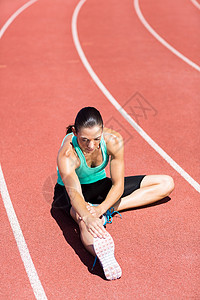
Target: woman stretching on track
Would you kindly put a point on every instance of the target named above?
(90, 197)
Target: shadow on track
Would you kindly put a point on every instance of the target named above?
(68, 226)
(71, 234)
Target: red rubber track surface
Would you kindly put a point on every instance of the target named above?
(43, 85)
(8, 8)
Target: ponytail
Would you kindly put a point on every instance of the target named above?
(69, 129)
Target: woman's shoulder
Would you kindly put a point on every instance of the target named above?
(110, 134)
(67, 149)
(113, 139)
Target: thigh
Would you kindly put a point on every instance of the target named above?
(96, 192)
(153, 179)
(132, 183)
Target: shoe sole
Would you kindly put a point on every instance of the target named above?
(104, 249)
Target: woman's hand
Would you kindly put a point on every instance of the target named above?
(93, 222)
(94, 226)
(94, 210)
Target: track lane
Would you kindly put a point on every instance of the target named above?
(7, 8)
(181, 18)
(47, 95)
(161, 40)
(12, 275)
(126, 61)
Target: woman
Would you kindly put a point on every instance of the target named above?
(90, 197)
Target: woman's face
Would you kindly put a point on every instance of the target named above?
(89, 138)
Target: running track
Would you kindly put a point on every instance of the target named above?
(43, 85)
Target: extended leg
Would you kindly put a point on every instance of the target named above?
(102, 248)
(152, 188)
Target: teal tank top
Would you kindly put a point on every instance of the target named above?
(86, 174)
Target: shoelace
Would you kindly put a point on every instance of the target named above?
(109, 213)
(95, 260)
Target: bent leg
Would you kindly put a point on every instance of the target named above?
(152, 189)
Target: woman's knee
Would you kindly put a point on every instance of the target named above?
(75, 216)
(77, 219)
(167, 185)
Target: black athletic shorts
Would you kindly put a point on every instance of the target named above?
(94, 193)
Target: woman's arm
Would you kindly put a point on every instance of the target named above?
(66, 166)
(115, 147)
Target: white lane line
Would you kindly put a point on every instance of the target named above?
(114, 102)
(161, 40)
(21, 243)
(22, 246)
(13, 17)
(195, 3)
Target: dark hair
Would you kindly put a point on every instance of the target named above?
(86, 117)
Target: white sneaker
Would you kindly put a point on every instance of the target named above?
(104, 249)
